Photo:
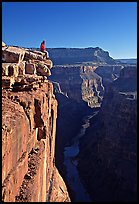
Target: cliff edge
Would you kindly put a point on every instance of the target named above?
(29, 113)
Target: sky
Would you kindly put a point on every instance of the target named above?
(111, 26)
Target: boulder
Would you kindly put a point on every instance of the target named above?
(30, 68)
(12, 54)
(43, 70)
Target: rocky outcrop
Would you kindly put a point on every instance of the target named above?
(29, 113)
(78, 55)
(110, 145)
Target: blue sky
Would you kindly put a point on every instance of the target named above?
(109, 25)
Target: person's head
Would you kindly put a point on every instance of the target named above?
(43, 41)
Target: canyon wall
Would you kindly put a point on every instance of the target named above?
(77, 90)
(79, 83)
(107, 161)
(110, 145)
(29, 114)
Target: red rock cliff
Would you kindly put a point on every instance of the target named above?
(29, 113)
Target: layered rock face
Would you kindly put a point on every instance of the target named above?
(110, 170)
(79, 83)
(109, 73)
(79, 55)
(29, 113)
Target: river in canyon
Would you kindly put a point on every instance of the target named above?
(71, 162)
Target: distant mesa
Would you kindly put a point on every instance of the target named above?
(79, 55)
(127, 61)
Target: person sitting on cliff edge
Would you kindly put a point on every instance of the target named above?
(43, 49)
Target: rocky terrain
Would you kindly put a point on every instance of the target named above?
(29, 114)
(112, 148)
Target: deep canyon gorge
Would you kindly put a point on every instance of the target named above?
(68, 128)
(103, 160)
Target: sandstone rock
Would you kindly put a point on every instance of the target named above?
(40, 64)
(13, 69)
(31, 55)
(49, 63)
(7, 82)
(21, 68)
(12, 54)
(39, 52)
(29, 112)
(14, 136)
(12, 184)
(33, 78)
(5, 69)
(30, 68)
(43, 71)
(33, 188)
(25, 142)
(3, 44)
(10, 69)
(59, 191)
(46, 55)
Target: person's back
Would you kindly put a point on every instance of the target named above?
(42, 47)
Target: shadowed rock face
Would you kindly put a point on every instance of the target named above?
(79, 83)
(109, 172)
(29, 113)
(109, 72)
